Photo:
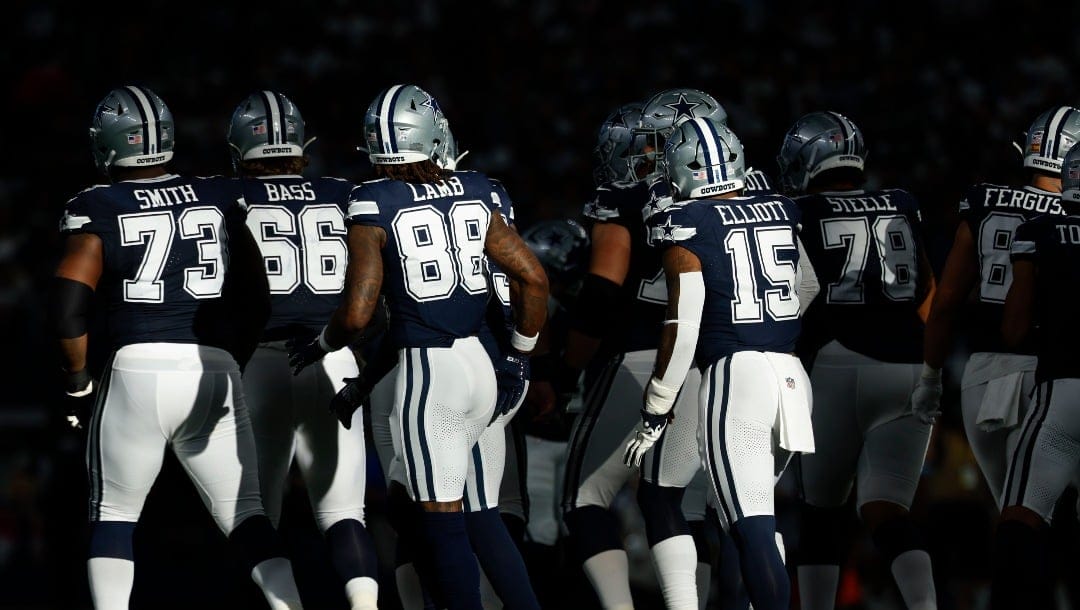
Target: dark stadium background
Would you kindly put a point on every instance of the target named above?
(940, 89)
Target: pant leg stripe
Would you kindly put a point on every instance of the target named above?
(722, 438)
(594, 402)
(429, 470)
(710, 446)
(97, 484)
(406, 427)
(1034, 440)
(478, 466)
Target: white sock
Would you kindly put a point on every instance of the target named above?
(704, 581)
(915, 579)
(609, 573)
(675, 560)
(817, 586)
(488, 598)
(275, 577)
(408, 586)
(362, 593)
(111, 580)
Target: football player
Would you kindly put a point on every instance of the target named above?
(431, 230)
(187, 297)
(996, 378)
(737, 282)
(1039, 311)
(299, 224)
(864, 337)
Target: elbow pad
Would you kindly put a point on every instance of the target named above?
(596, 305)
(69, 307)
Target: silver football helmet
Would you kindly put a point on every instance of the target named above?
(404, 124)
(266, 124)
(703, 158)
(612, 152)
(446, 151)
(131, 127)
(1051, 136)
(661, 114)
(817, 142)
(561, 246)
(1070, 175)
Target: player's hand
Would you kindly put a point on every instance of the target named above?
(349, 398)
(926, 397)
(648, 432)
(512, 378)
(78, 397)
(303, 351)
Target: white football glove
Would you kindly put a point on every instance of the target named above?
(648, 432)
(926, 397)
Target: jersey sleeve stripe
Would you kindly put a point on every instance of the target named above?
(358, 208)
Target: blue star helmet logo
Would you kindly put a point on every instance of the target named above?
(432, 103)
(682, 108)
(618, 119)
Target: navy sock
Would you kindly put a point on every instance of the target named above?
(516, 527)
(256, 540)
(352, 550)
(897, 536)
(763, 570)
(730, 590)
(112, 539)
(823, 535)
(446, 541)
(592, 530)
(661, 508)
(1021, 572)
(502, 562)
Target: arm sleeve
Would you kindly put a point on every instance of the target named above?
(806, 278)
(661, 393)
(1024, 244)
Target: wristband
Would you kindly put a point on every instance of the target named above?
(522, 343)
(323, 343)
(659, 398)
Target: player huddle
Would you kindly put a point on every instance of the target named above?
(698, 334)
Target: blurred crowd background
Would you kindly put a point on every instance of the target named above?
(941, 90)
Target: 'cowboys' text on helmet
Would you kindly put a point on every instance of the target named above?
(131, 127)
(817, 142)
(404, 124)
(266, 124)
(703, 158)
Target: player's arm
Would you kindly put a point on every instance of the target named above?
(363, 281)
(927, 289)
(609, 264)
(806, 278)
(1019, 303)
(678, 338)
(246, 292)
(529, 299)
(71, 302)
(957, 279)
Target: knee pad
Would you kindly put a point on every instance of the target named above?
(112, 539)
(661, 508)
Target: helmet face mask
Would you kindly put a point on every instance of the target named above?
(1070, 176)
(1050, 137)
(613, 140)
(817, 142)
(703, 158)
(403, 124)
(131, 127)
(266, 124)
(661, 114)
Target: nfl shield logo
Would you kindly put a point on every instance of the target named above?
(134, 138)
(790, 383)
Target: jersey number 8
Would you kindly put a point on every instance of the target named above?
(440, 252)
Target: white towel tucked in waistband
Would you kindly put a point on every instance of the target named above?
(1001, 403)
(796, 433)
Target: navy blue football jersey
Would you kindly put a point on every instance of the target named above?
(749, 256)
(299, 224)
(993, 213)
(166, 253)
(435, 272)
(1052, 242)
(865, 247)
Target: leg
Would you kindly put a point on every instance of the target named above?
(214, 443)
(333, 462)
(124, 452)
(665, 472)
(269, 394)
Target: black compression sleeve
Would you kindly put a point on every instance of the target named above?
(69, 307)
(596, 306)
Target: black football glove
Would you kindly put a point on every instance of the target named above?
(78, 398)
(512, 379)
(304, 350)
(350, 398)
